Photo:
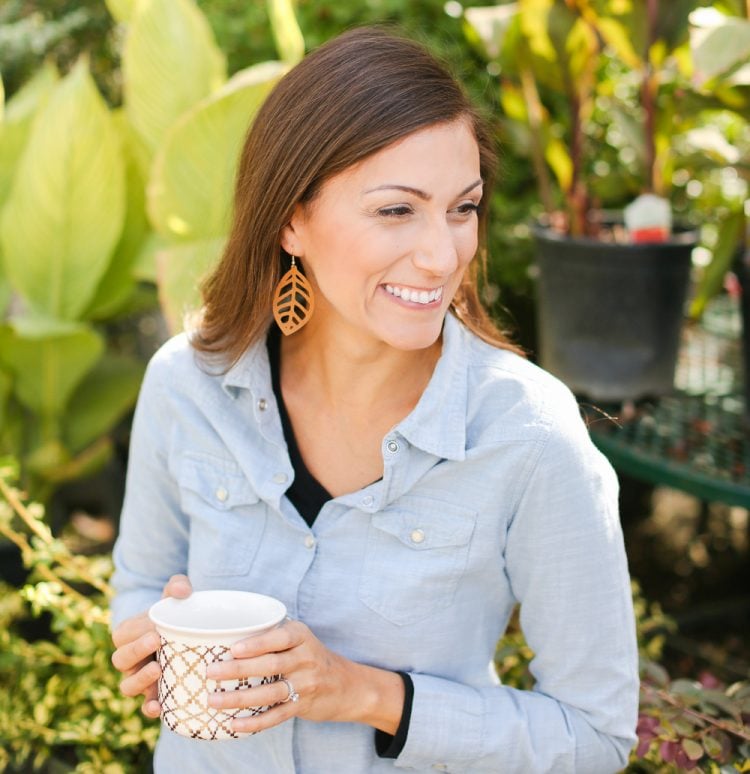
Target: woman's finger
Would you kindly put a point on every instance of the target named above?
(131, 629)
(260, 666)
(130, 655)
(268, 694)
(268, 719)
(285, 637)
(178, 586)
(141, 680)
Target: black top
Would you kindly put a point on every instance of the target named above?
(308, 496)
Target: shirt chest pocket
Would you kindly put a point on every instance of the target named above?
(227, 519)
(415, 557)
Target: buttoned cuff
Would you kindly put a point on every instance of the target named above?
(445, 727)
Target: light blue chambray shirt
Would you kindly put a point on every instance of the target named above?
(492, 494)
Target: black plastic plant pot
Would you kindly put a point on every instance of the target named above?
(610, 314)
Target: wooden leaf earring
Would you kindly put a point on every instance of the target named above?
(293, 301)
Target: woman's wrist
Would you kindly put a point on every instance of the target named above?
(377, 697)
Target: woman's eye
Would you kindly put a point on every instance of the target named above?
(397, 211)
(467, 207)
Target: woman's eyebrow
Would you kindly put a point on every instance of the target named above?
(416, 191)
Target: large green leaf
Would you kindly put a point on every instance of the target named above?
(170, 62)
(66, 208)
(286, 32)
(719, 46)
(48, 368)
(118, 283)
(122, 10)
(103, 398)
(180, 270)
(191, 186)
(16, 123)
(6, 384)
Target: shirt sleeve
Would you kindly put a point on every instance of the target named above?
(153, 538)
(565, 560)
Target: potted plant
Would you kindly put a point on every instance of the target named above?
(594, 94)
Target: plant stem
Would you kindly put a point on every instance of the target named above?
(666, 697)
(648, 94)
(14, 501)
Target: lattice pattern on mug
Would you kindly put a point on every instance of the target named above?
(184, 689)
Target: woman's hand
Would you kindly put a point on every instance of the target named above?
(330, 687)
(137, 641)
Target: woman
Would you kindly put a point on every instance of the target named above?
(391, 468)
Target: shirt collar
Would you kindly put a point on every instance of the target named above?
(437, 424)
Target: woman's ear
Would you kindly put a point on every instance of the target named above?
(292, 233)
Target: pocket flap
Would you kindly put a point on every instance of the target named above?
(423, 524)
(218, 481)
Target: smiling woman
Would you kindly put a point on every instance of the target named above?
(390, 468)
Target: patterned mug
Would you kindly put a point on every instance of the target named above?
(196, 632)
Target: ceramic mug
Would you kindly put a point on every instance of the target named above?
(198, 631)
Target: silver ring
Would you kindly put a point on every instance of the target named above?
(293, 695)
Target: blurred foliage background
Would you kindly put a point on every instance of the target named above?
(122, 137)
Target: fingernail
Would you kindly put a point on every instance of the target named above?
(212, 671)
(240, 649)
(214, 700)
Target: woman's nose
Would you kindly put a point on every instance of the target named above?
(436, 253)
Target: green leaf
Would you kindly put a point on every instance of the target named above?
(122, 10)
(47, 369)
(286, 32)
(192, 184)
(6, 384)
(105, 395)
(618, 38)
(170, 62)
(558, 157)
(731, 231)
(16, 124)
(145, 262)
(180, 269)
(66, 208)
(719, 47)
(118, 283)
(692, 749)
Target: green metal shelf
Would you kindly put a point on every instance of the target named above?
(697, 439)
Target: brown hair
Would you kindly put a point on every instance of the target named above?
(348, 99)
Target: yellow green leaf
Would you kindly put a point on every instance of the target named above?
(617, 37)
(122, 10)
(192, 182)
(104, 396)
(65, 211)
(170, 62)
(118, 283)
(47, 368)
(180, 270)
(286, 32)
(16, 124)
(558, 158)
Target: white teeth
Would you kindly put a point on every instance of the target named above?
(415, 296)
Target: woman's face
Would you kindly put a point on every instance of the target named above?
(386, 242)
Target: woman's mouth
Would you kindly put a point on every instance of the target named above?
(416, 295)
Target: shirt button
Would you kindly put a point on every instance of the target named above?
(221, 494)
(392, 447)
(262, 404)
(309, 542)
(368, 501)
(417, 535)
(280, 478)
